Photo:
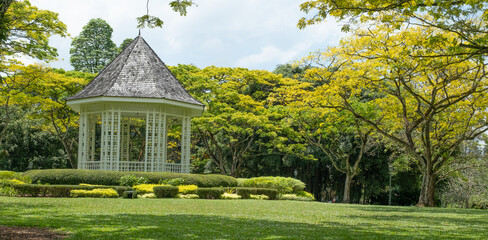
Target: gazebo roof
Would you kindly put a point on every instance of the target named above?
(137, 72)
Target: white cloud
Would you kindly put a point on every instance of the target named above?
(271, 54)
(248, 33)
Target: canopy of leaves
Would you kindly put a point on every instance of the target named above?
(25, 30)
(93, 49)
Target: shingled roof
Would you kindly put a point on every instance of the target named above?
(137, 72)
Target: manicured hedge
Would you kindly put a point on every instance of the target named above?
(95, 193)
(282, 184)
(246, 192)
(210, 193)
(37, 190)
(165, 191)
(76, 176)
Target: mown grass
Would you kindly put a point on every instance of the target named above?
(90, 218)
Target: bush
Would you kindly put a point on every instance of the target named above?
(37, 190)
(210, 193)
(145, 188)
(294, 197)
(259, 197)
(148, 195)
(172, 181)
(132, 180)
(187, 196)
(8, 191)
(14, 176)
(282, 184)
(306, 195)
(247, 192)
(109, 178)
(230, 196)
(187, 189)
(96, 193)
(165, 191)
(478, 202)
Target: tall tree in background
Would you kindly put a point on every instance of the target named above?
(93, 49)
(25, 30)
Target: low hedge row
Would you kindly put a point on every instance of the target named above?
(77, 176)
(165, 191)
(96, 193)
(37, 190)
(245, 193)
(282, 184)
(210, 193)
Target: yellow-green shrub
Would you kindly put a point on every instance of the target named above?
(86, 184)
(187, 189)
(145, 188)
(15, 181)
(187, 196)
(97, 193)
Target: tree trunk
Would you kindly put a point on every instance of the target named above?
(426, 198)
(347, 188)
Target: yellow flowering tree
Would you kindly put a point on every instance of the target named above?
(423, 104)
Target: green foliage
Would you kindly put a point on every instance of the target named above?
(173, 181)
(210, 193)
(77, 176)
(187, 189)
(282, 184)
(26, 30)
(226, 195)
(95, 193)
(93, 49)
(258, 197)
(305, 194)
(187, 196)
(295, 197)
(132, 180)
(10, 175)
(247, 192)
(149, 21)
(479, 202)
(38, 190)
(8, 191)
(145, 188)
(165, 191)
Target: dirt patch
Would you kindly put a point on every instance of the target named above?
(14, 233)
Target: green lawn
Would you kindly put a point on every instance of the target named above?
(87, 218)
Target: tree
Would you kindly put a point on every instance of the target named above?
(93, 48)
(25, 30)
(464, 19)
(237, 120)
(424, 104)
(125, 43)
(149, 21)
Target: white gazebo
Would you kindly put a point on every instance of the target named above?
(135, 116)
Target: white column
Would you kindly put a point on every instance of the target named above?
(82, 151)
(104, 147)
(185, 143)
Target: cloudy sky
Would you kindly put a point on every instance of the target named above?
(255, 34)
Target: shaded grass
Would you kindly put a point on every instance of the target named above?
(238, 219)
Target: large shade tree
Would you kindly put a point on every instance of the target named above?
(25, 31)
(425, 105)
(93, 49)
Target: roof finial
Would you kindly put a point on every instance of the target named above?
(139, 32)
